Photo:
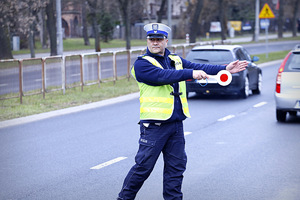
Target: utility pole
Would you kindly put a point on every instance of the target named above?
(59, 28)
(256, 30)
(170, 21)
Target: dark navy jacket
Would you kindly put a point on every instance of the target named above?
(150, 74)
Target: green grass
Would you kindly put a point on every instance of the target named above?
(74, 44)
(271, 56)
(34, 104)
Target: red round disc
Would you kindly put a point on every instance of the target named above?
(224, 77)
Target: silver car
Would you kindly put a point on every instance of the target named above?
(287, 93)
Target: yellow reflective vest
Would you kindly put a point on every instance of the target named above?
(156, 102)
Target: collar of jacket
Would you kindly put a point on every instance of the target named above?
(167, 53)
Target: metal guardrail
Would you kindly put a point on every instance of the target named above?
(52, 73)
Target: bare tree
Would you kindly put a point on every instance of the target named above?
(222, 13)
(125, 12)
(93, 13)
(43, 27)
(84, 24)
(51, 26)
(161, 11)
(19, 18)
(280, 19)
(294, 20)
(7, 10)
(194, 21)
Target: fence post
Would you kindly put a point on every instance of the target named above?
(21, 80)
(81, 71)
(128, 63)
(63, 74)
(174, 49)
(99, 69)
(43, 77)
(115, 66)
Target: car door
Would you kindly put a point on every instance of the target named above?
(252, 70)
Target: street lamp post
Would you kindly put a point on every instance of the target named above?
(170, 21)
(59, 28)
(256, 31)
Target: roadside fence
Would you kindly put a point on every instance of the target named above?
(22, 77)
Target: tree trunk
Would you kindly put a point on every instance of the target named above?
(294, 20)
(222, 9)
(5, 49)
(31, 42)
(84, 24)
(194, 21)
(43, 31)
(280, 19)
(161, 11)
(93, 7)
(125, 10)
(51, 26)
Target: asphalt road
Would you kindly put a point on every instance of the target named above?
(236, 150)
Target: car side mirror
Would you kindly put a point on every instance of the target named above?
(255, 58)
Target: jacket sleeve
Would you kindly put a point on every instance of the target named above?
(150, 74)
(208, 68)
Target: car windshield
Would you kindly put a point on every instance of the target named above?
(217, 56)
(293, 62)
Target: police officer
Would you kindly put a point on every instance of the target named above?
(161, 79)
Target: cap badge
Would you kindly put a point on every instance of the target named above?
(155, 27)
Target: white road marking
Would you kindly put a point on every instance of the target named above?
(75, 74)
(3, 85)
(220, 143)
(108, 163)
(226, 118)
(187, 133)
(260, 104)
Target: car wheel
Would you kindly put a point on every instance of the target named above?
(259, 85)
(245, 89)
(281, 115)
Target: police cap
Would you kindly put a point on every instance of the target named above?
(157, 30)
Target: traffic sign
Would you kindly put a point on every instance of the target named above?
(264, 23)
(266, 12)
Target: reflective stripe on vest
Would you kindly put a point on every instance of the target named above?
(156, 102)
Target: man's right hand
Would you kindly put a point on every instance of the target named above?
(199, 74)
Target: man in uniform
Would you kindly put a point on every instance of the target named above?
(163, 106)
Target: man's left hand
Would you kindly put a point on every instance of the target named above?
(237, 66)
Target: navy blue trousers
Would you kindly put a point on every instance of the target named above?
(167, 138)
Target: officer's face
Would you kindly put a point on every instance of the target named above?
(157, 45)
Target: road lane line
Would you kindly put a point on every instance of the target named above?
(3, 85)
(187, 133)
(108, 163)
(75, 74)
(226, 118)
(260, 104)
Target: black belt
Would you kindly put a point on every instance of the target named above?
(176, 93)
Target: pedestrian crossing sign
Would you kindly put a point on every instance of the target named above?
(266, 12)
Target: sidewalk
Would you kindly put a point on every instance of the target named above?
(262, 38)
